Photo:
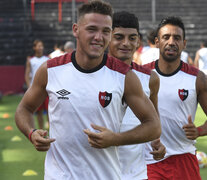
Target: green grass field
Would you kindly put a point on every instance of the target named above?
(19, 156)
(201, 141)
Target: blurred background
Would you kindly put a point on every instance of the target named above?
(23, 21)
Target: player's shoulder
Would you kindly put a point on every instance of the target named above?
(141, 68)
(154, 79)
(189, 69)
(60, 60)
(150, 65)
(201, 82)
(117, 65)
(29, 58)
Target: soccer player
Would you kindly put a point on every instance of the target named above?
(123, 44)
(32, 66)
(181, 87)
(87, 92)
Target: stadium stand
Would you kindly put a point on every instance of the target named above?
(18, 29)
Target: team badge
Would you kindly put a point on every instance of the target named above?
(105, 98)
(183, 94)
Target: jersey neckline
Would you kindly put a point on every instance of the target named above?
(167, 75)
(73, 59)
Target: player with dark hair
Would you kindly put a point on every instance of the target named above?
(32, 65)
(182, 87)
(88, 92)
(125, 39)
(58, 50)
(152, 53)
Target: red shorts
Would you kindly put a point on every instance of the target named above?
(177, 167)
(44, 105)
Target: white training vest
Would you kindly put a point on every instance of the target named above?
(203, 59)
(132, 157)
(150, 55)
(77, 99)
(184, 56)
(177, 99)
(35, 63)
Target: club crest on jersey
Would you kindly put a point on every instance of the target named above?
(183, 94)
(105, 98)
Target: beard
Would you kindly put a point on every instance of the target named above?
(170, 58)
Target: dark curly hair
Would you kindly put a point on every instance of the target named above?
(126, 20)
(173, 20)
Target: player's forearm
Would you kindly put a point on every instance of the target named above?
(24, 120)
(145, 132)
(202, 130)
(27, 80)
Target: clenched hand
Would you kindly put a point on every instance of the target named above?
(103, 139)
(40, 140)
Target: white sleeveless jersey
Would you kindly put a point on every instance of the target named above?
(77, 99)
(177, 99)
(184, 56)
(56, 53)
(35, 63)
(203, 59)
(132, 157)
(150, 55)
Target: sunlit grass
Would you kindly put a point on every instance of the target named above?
(14, 155)
(201, 141)
(17, 157)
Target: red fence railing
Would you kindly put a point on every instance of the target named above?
(51, 1)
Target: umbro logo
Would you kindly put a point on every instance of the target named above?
(63, 93)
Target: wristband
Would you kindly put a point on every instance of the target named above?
(30, 134)
(199, 130)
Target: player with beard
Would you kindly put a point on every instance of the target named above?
(182, 87)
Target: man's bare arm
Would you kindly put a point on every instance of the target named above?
(27, 73)
(32, 99)
(154, 85)
(158, 149)
(191, 131)
(196, 60)
(142, 107)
